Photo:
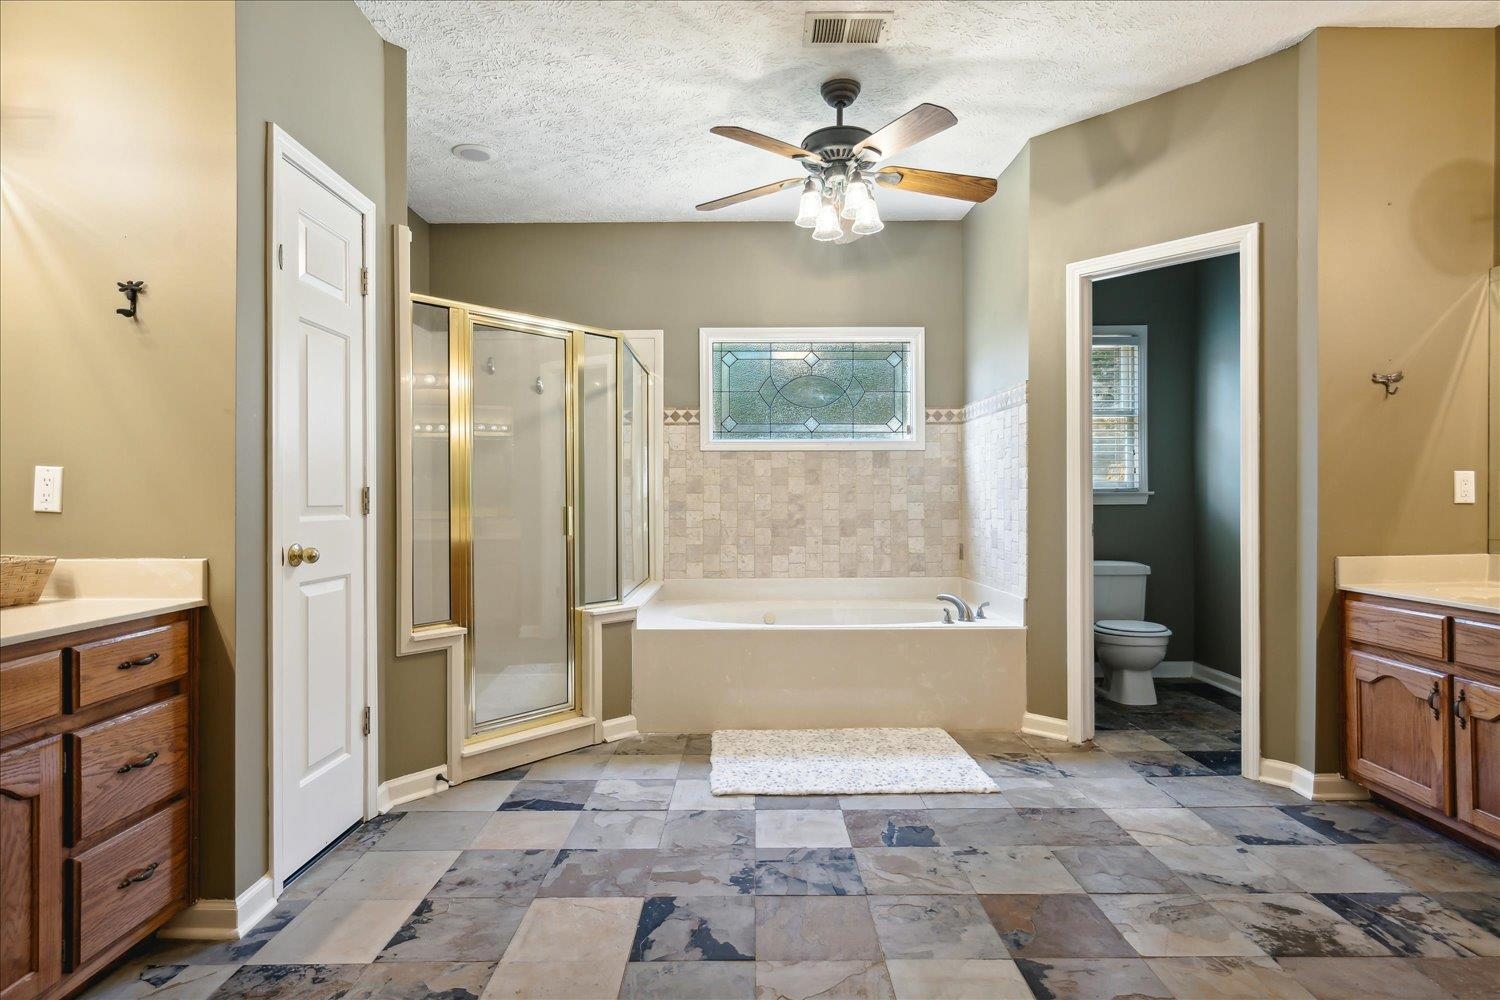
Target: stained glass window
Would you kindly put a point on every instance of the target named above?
(812, 390)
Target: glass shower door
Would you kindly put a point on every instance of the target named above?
(521, 666)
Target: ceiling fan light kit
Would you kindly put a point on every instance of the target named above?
(844, 162)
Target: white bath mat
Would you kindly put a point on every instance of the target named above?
(841, 762)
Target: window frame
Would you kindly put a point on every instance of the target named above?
(917, 374)
(1136, 334)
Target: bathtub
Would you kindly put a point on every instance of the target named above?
(762, 654)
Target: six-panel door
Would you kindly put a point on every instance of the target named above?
(1400, 728)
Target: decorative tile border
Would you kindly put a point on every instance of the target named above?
(683, 417)
(1002, 400)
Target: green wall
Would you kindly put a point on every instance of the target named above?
(1216, 466)
(1165, 301)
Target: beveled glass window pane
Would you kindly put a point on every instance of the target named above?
(812, 390)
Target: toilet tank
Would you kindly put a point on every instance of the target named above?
(1120, 590)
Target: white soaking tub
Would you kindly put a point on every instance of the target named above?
(774, 654)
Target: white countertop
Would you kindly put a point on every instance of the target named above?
(1467, 582)
(87, 593)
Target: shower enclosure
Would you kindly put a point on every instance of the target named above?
(528, 443)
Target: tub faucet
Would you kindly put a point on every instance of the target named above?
(964, 612)
(979, 611)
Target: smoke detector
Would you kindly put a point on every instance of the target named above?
(846, 27)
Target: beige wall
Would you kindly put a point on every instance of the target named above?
(995, 280)
(117, 147)
(1405, 184)
(679, 276)
(618, 653)
(1219, 153)
(421, 243)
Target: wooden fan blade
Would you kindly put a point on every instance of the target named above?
(922, 122)
(963, 186)
(764, 189)
(766, 142)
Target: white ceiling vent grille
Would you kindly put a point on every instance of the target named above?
(846, 27)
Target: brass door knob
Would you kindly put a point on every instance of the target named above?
(296, 555)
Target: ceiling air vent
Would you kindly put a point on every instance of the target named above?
(846, 27)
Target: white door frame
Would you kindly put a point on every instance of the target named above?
(285, 153)
(1245, 241)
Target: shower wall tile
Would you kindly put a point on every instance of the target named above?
(809, 513)
(994, 490)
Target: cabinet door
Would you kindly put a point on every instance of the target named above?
(30, 869)
(1476, 754)
(1400, 732)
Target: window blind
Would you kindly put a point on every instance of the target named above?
(1116, 367)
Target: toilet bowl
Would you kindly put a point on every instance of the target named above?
(1128, 651)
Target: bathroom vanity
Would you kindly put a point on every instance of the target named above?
(98, 769)
(1421, 653)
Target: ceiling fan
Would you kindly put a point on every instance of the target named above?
(845, 162)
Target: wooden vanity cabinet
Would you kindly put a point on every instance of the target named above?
(98, 798)
(1422, 691)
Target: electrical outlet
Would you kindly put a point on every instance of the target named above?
(1463, 486)
(46, 489)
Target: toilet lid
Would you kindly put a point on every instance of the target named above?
(1118, 627)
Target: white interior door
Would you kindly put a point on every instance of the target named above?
(319, 325)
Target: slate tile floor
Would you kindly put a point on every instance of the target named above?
(1094, 873)
(1193, 729)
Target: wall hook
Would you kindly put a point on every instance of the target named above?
(1388, 380)
(131, 289)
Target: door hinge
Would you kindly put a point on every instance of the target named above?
(281, 256)
(364, 501)
(366, 727)
(364, 281)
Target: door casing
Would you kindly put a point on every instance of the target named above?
(1080, 278)
(285, 153)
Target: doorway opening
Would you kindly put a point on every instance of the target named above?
(1163, 500)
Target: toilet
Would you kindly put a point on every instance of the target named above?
(1126, 645)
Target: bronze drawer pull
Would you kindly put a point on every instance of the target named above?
(1432, 701)
(140, 876)
(144, 661)
(135, 765)
(1458, 710)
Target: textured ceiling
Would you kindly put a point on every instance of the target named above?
(600, 111)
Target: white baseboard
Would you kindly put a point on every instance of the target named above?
(408, 787)
(1326, 787)
(1045, 726)
(1216, 678)
(618, 729)
(223, 919)
(1179, 669)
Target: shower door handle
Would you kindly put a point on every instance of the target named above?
(567, 521)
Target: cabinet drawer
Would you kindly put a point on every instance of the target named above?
(1404, 629)
(112, 667)
(129, 879)
(128, 763)
(30, 690)
(1476, 643)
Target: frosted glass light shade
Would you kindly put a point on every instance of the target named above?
(855, 198)
(808, 205)
(827, 227)
(867, 221)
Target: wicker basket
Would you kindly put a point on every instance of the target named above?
(22, 579)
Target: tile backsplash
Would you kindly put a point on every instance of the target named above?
(852, 513)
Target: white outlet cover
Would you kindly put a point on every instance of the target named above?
(46, 489)
(1464, 489)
